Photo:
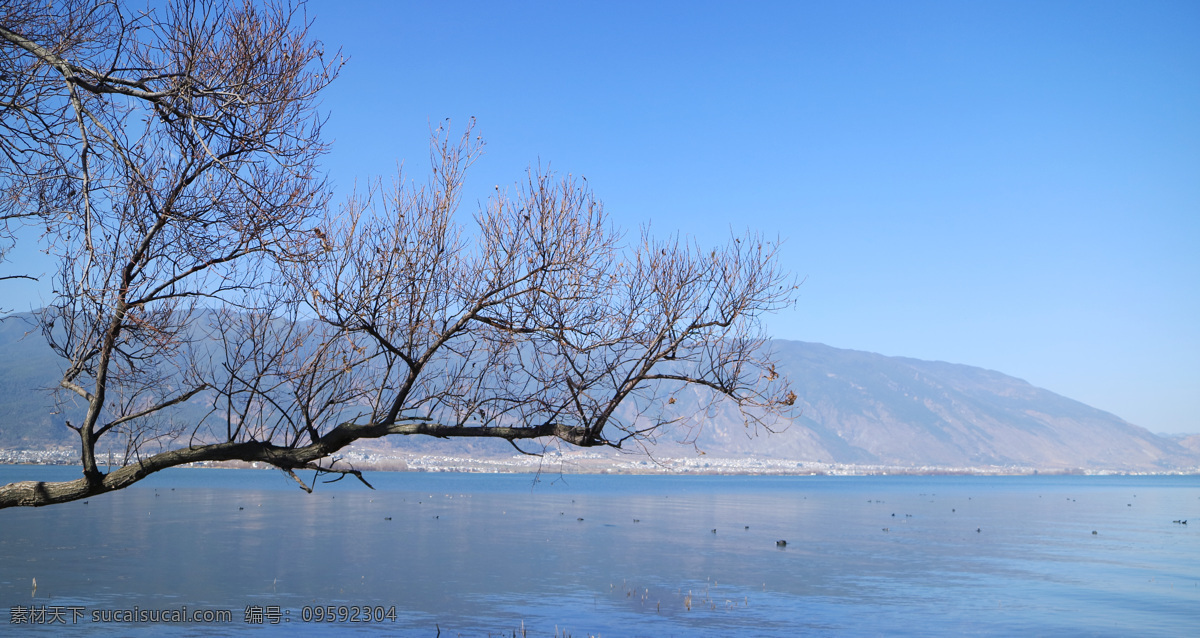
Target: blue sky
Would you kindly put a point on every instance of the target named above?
(1012, 185)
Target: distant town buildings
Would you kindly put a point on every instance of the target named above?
(590, 462)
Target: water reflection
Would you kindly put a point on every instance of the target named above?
(477, 554)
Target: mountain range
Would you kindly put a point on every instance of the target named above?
(865, 408)
(852, 407)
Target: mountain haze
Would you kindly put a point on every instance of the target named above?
(860, 407)
(852, 407)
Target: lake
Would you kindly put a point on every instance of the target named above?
(551, 555)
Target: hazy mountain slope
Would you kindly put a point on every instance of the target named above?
(28, 369)
(859, 407)
(1189, 442)
(854, 407)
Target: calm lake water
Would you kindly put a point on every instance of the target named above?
(479, 555)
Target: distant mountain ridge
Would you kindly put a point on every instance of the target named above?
(853, 407)
(866, 408)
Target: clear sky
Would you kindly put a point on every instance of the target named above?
(1011, 185)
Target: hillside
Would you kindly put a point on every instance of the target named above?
(859, 407)
(853, 407)
(28, 369)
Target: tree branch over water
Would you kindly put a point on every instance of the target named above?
(175, 171)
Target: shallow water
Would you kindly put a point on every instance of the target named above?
(478, 554)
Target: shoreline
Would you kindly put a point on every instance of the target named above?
(595, 463)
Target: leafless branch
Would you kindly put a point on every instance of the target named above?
(171, 156)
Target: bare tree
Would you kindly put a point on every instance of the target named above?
(207, 268)
(169, 157)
